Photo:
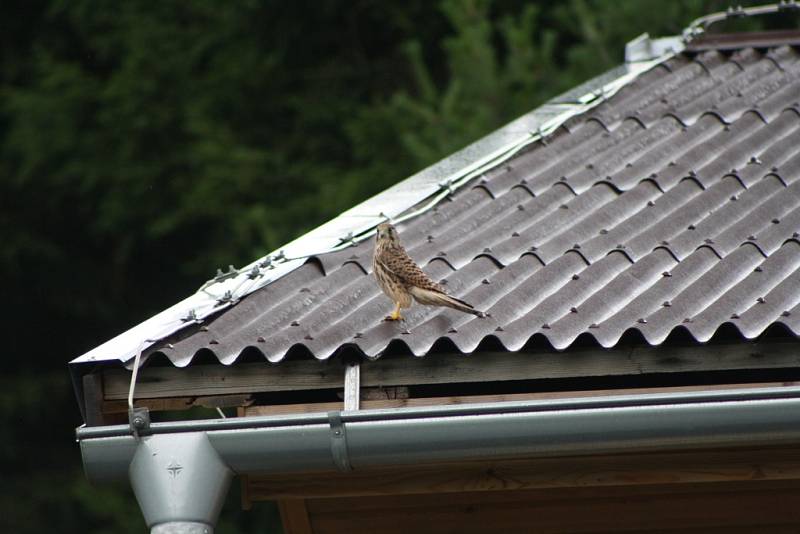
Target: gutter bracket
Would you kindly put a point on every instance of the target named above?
(339, 442)
(139, 421)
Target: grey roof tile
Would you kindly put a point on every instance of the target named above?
(673, 205)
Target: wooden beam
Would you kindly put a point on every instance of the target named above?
(674, 468)
(379, 404)
(294, 516)
(179, 403)
(713, 508)
(93, 399)
(202, 380)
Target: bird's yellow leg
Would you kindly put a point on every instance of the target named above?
(395, 316)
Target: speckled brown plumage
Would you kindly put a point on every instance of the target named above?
(401, 279)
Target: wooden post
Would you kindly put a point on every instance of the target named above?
(294, 516)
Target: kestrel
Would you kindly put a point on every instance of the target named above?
(400, 278)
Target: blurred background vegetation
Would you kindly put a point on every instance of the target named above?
(145, 144)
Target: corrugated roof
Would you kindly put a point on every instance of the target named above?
(673, 205)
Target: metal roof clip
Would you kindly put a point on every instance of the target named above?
(190, 317)
(231, 272)
(225, 298)
(447, 185)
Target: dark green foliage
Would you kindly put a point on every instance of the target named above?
(144, 144)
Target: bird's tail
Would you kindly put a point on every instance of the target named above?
(437, 298)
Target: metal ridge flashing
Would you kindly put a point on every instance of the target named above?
(402, 201)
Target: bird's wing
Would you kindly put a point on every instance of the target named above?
(399, 263)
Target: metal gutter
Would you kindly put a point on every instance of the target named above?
(404, 200)
(181, 471)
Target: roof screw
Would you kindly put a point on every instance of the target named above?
(190, 317)
(485, 281)
(666, 304)
(758, 269)
(562, 179)
(610, 178)
(430, 239)
(671, 164)
(546, 326)
(575, 277)
(751, 237)
(760, 300)
(774, 169)
(665, 243)
(641, 320)
(795, 235)
(308, 337)
(687, 320)
(735, 172)
(204, 328)
(590, 166)
(785, 313)
(520, 207)
(254, 273)
(776, 221)
(664, 101)
(305, 290)
(294, 323)
(441, 253)
(573, 310)
(213, 342)
(443, 281)
(487, 250)
(594, 325)
(691, 227)
(482, 181)
(650, 203)
(692, 174)
(353, 257)
(628, 165)
(754, 161)
(514, 234)
(726, 128)
(452, 331)
(603, 231)
(666, 274)
(734, 198)
(620, 246)
(498, 329)
(260, 339)
(358, 335)
(654, 175)
(576, 246)
(534, 248)
(734, 316)
(563, 207)
(405, 332)
(708, 241)
(523, 182)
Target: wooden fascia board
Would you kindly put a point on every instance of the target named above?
(207, 380)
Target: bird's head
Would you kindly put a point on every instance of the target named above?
(387, 232)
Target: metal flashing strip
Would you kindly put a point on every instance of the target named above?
(402, 201)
